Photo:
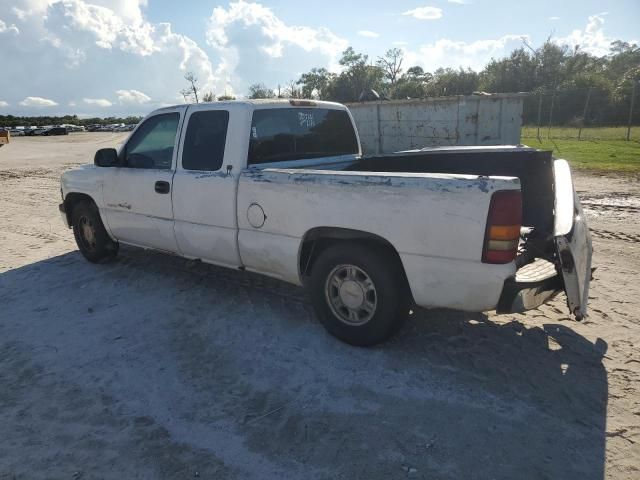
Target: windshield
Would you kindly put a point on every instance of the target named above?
(279, 134)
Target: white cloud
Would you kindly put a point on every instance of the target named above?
(368, 34)
(424, 13)
(107, 28)
(553, 19)
(592, 39)
(276, 32)
(400, 43)
(4, 28)
(450, 53)
(18, 12)
(255, 45)
(132, 97)
(3, 103)
(83, 43)
(100, 102)
(37, 102)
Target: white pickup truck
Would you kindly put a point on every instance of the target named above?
(281, 188)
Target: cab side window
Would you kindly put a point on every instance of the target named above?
(205, 139)
(151, 146)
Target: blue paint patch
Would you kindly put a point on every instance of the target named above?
(218, 174)
(483, 185)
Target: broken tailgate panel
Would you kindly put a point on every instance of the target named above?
(573, 241)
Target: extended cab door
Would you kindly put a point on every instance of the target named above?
(573, 240)
(137, 193)
(206, 183)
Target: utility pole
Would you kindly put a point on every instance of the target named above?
(553, 99)
(633, 99)
(539, 114)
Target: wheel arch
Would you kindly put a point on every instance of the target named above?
(71, 200)
(318, 239)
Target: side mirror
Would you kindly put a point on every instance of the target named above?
(106, 157)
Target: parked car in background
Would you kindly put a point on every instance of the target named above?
(29, 131)
(281, 188)
(72, 128)
(124, 128)
(15, 132)
(55, 131)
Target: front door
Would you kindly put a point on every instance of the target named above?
(137, 193)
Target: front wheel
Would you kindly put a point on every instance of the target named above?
(359, 293)
(91, 237)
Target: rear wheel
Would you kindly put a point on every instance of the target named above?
(359, 293)
(91, 237)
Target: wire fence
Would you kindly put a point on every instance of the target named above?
(582, 114)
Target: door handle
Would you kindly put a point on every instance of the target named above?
(162, 187)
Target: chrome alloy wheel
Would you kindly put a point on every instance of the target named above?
(351, 295)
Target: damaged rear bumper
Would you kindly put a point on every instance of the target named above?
(533, 285)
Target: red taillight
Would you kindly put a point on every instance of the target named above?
(503, 227)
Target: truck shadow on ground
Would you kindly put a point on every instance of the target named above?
(236, 365)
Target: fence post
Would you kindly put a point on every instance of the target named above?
(584, 114)
(379, 147)
(539, 114)
(553, 98)
(633, 99)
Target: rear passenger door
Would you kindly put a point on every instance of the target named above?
(205, 187)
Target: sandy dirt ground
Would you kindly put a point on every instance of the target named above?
(155, 367)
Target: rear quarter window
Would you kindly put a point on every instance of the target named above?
(205, 140)
(279, 134)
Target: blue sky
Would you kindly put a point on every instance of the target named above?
(111, 57)
(468, 21)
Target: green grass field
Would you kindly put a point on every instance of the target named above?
(599, 149)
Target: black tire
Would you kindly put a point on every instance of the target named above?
(390, 291)
(91, 237)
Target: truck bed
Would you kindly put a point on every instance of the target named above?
(534, 169)
(435, 221)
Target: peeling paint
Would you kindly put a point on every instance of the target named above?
(218, 174)
(445, 183)
(119, 205)
(483, 185)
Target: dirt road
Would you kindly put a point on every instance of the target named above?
(155, 367)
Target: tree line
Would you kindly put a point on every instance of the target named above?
(552, 72)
